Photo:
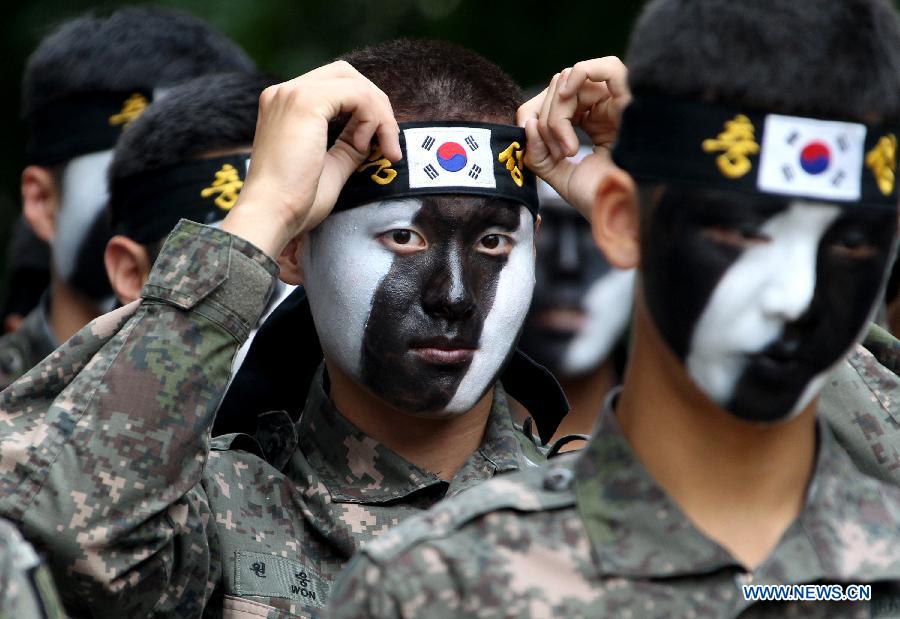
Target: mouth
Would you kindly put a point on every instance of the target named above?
(780, 357)
(561, 320)
(443, 350)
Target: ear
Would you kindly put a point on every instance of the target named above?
(537, 230)
(127, 266)
(615, 220)
(40, 201)
(290, 263)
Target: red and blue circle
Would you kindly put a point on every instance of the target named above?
(815, 157)
(451, 156)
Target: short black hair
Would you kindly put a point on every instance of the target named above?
(436, 80)
(832, 58)
(212, 112)
(134, 48)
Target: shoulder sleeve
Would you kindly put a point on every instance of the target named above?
(861, 403)
(103, 444)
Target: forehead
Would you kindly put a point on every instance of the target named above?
(451, 210)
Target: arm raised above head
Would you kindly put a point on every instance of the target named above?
(103, 444)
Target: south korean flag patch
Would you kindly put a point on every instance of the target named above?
(812, 158)
(449, 157)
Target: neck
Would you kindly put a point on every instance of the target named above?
(586, 395)
(69, 310)
(441, 446)
(742, 484)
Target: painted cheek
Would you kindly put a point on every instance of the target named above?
(608, 307)
(504, 320)
(768, 286)
(83, 198)
(344, 267)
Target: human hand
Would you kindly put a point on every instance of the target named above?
(294, 180)
(591, 95)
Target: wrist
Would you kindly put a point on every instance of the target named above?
(264, 227)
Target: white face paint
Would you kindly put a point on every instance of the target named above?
(768, 286)
(607, 305)
(504, 321)
(343, 264)
(376, 309)
(83, 196)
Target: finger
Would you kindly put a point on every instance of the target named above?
(608, 69)
(544, 118)
(537, 155)
(530, 109)
(559, 122)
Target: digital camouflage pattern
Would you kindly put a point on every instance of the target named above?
(861, 402)
(26, 588)
(594, 536)
(106, 461)
(24, 348)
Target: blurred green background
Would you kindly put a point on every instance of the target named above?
(531, 40)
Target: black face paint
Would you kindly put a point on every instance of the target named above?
(709, 260)
(435, 298)
(568, 264)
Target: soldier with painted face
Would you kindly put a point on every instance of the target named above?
(416, 288)
(763, 220)
(86, 81)
(579, 312)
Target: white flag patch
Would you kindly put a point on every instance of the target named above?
(812, 158)
(449, 157)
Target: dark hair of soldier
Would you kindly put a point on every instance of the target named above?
(435, 80)
(131, 49)
(208, 113)
(836, 59)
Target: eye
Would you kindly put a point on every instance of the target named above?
(495, 245)
(741, 237)
(853, 245)
(403, 241)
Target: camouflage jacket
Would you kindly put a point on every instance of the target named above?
(106, 460)
(594, 536)
(26, 589)
(24, 348)
(861, 402)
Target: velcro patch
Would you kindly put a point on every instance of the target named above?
(267, 575)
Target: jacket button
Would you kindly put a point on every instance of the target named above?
(558, 479)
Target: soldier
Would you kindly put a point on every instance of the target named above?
(763, 233)
(86, 81)
(579, 314)
(418, 285)
(26, 588)
(185, 157)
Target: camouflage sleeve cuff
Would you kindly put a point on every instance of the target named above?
(213, 273)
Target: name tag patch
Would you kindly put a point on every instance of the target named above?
(265, 575)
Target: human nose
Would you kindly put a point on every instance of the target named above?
(447, 293)
(789, 292)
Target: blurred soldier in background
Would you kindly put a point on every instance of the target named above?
(87, 80)
(28, 270)
(579, 314)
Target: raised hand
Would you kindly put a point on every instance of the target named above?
(294, 180)
(591, 95)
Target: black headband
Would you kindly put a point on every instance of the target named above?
(447, 158)
(81, 124)
(674, 140)
(145, 207)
